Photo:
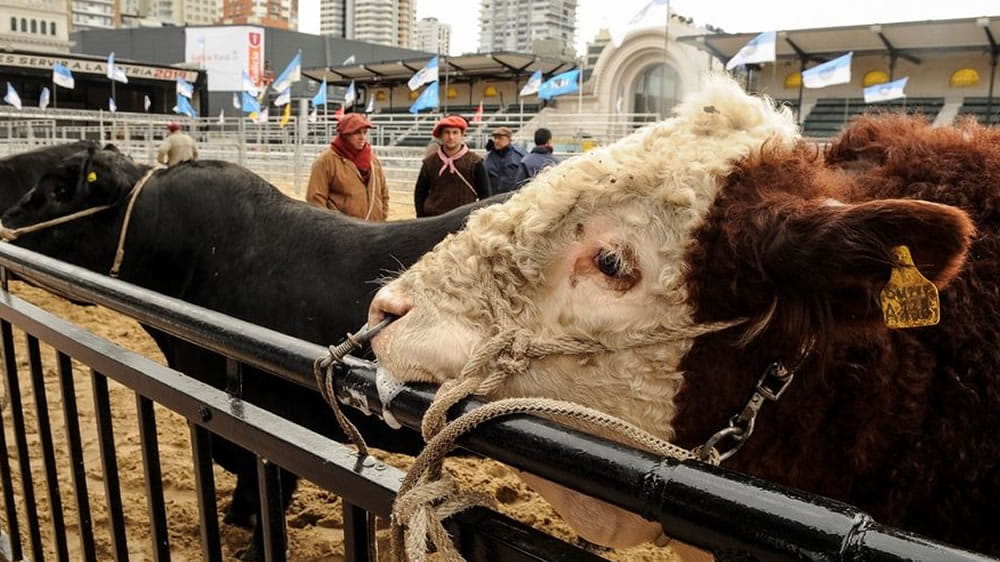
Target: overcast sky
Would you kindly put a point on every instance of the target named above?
(730, 15)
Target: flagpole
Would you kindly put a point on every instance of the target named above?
(579, 86)
(446, 84)
(54, 95)
(666, 58)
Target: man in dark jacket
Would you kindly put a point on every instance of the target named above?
(503, 161)
(452, 175)
(540, 157)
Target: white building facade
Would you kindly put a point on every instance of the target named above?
(432, 36)
(385, 22)
(34, 25)
(515, 25)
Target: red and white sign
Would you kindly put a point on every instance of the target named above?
(226, 53)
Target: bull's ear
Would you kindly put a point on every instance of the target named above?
(111, 147)
(839, 257)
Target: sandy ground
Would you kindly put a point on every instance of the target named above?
(314, 519)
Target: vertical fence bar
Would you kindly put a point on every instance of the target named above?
(357, 534)
(272, 510)
(21, 443)
(48, 451)
(154, 478)
(10, 505)
(201, 448)
(87, 547)
(109, 461)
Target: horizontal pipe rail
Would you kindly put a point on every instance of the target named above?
(703, 505)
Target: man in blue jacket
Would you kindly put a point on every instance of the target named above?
(503, 162)
(541, 157)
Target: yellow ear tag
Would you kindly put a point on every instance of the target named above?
(909, 300)
(91, 177)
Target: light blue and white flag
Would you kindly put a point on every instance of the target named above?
(262, 117)
(250, 103)
(289, 76)
(283, 98)
(115, 72)
(43, 100)
(183, 107)
(320, 97)
(222, 116)
(759, 49)
(565, 83)
(427, 100)
(427, 74)
(534, 83)
(350, 95)
(371, 105)
(836, 71)
(348, 60)
(112, 106)
(12, 97)
(653, 14)
(146, 103)
(887, 91)
(184, 88)
(236, 101)
(62, 76)
(248, 85)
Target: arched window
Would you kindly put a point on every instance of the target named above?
(34, 26)
(873, 77)
(656, 91)
(964, 78)
(793, 80)
(43, 26)
(24, 25)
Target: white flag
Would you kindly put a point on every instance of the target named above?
(653, 14)
(146, 102)
(112, 106)
(236, 101)
(115, 72)
(262, 116)
(43, 100)
(758, 49)
(371, 105)
(885, 92)
(312, 115)
(12, 97)
(350, 95)
(222, 117)
(348, 60)
(284, 98)
(836, 71)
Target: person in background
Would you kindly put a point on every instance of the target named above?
(453, 175)
(177, 147)
(503, 161)
(540, 158)
(347, 176)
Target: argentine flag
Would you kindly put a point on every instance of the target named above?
(250, 104)
(565, 83)
(350, 95)
(284, 98)
(184, 88)
(429, 73)
(758, 49)
(289, 76)
(427, 100)
(12, 97)
(836, 71)
(320, 97)
(114, 72)
(248, 85)
(112, 106)
(533, 84)
(184, 107)
(885, 92)
(652, 15)
(62, 76)
(43, 100)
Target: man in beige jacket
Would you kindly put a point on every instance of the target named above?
(347, 176)
(177, 147)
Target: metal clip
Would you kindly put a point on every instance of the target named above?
(774, 381)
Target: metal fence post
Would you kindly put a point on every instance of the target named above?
(241, 145)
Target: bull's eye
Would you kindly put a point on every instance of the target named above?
(609, 263)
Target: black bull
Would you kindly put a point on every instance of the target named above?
(216, 235)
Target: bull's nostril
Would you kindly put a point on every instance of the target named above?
(387, 303)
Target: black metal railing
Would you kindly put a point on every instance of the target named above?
(710, 507)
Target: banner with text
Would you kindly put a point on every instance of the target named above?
(226, 53)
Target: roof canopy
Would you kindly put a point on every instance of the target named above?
(907, 40)
(465, 68)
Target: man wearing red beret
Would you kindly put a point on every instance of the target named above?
(453, 175)
(347, 176)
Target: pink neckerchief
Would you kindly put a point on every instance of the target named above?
(450, 162)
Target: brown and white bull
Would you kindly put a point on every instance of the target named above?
(724, 214)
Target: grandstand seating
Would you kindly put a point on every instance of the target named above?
(977, 107)
(829, 115)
